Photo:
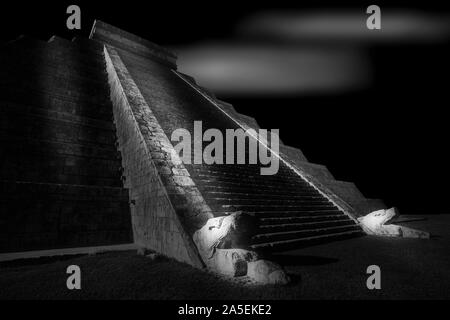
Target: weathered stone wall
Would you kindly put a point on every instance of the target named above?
(60, 179)
(166, 206)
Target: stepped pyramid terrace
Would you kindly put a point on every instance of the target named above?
(88, 161)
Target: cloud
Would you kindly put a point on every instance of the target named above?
(259, 70)
(396, 25)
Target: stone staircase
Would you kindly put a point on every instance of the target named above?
(289, 211)
(60, 171)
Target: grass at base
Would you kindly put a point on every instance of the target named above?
(410, 269)
(115, 275)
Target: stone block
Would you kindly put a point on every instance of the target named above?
(266, 272)
(232, 262)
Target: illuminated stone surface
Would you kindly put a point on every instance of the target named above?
(218, 233)
(231, 262)
(378, 223)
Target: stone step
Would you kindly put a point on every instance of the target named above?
(278, 211)
(274, 228)
(243, 168)
(296, 213)
(235, 172)
(262, 179)
(268, 206)
(296, 234)
(291, 244)
(233, 200)
(239, 170)
(284, 208)
(265, 195)
(302, 219)
(233, 175)
(246, 185)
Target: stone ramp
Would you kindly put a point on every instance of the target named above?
(60, 171)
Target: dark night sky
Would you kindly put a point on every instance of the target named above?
(391, 138)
